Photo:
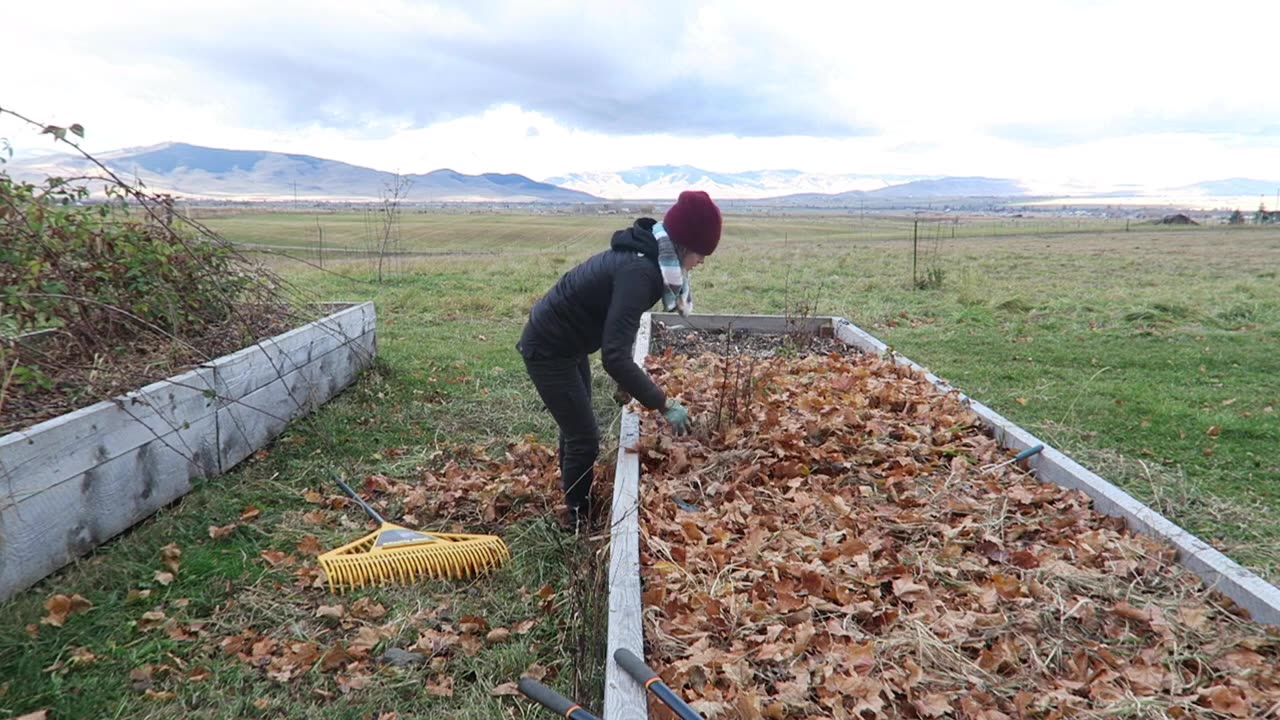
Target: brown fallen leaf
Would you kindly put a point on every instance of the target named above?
(177, 631)
(164, 577)
(933, 705)
(249, 514)
(1024, 559)
(335, 658)
(368, 609)
(309, 545)
(37, 715)
(220, 532)
(333, 612)
(471, 645)
(159, 695)
(317, 517)
(278, 559)
(172, 556)
(504, 690)
(909, 590)
(1125, 610)
(992, 551)
(142, 678)
(1226, 700)
(350, 683)
(440, 687)
(61, 607)
(151, 620)
(367, 638)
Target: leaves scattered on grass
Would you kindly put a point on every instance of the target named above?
(61, 607)
(470, 488)
(853, 554)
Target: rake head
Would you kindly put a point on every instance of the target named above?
(395, 554)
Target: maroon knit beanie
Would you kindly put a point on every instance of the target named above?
(694, 222)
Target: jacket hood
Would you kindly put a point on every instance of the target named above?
(637, 238)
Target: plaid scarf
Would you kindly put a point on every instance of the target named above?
(676, 294)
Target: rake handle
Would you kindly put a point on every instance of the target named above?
(1033, 450)
(372, 513)
(643, 674)
(552, 700)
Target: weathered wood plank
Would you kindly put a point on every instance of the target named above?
(747, 323)
(71, 483)
(258, 365)
(624, 698)
(50, 452)
(41, 532)
(250, 422)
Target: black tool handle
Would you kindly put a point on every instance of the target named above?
(634, 666)
(372, 513)
(1033, 450)
(552, 700)
(645, 675)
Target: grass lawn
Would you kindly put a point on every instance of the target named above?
(1151, 356)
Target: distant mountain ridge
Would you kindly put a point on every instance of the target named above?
(215, 173)
(200, 172)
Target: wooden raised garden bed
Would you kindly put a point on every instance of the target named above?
(72, 482)
(843, 536)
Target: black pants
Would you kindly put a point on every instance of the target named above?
(565, 388)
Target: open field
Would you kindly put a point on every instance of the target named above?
(1152, 356)
(429, 233)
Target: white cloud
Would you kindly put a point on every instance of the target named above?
(1104, 92)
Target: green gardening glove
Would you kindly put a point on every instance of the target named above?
(677, 416)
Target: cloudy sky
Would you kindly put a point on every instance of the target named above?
(1053, 91)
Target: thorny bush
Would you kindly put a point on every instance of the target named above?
(114, 278)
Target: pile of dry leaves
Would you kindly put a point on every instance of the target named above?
(836, 545)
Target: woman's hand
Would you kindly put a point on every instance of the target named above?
(621, 397)
(678, 417)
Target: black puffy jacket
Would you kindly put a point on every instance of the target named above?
(597, 306)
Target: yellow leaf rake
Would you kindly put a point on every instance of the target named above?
(396, 554)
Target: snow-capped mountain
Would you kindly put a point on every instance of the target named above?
(661, 182)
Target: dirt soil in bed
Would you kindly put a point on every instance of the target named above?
(76, 378)
(833, 541)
